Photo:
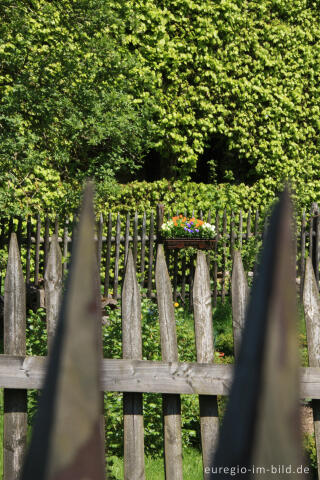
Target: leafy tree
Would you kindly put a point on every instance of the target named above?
(64, 102)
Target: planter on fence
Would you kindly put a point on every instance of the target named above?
(200, 243)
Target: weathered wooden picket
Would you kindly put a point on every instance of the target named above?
(261, 425)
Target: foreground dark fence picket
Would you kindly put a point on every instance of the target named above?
(261, 425)
(115, 234)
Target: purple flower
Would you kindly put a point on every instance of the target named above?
(197, 230)
(185, 228)
(188, 224)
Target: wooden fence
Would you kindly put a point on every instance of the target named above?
(261, 425)
(241, 231)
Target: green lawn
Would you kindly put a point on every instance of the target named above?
(192, 467)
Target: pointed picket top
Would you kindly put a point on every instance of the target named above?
(67, 438)
(131, 313)
(203, 311)
(14, 302)
(259, 427)
(167, 322)
(53, 286)
(240, 294)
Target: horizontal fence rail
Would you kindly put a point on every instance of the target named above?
(146, 376)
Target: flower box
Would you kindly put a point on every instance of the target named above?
(200, 243)
(183, 232)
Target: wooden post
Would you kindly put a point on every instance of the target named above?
(259, 427)
(224, 261)
(311, 304)
(159, 222)
(143, 249)
(108, 254)
(15, 401)
(53, 287)
(209, 419)
(240, 295)
(67, 438)
(169, 350)
(56, 226)
(46, 242)
(132, 349)
(99, 241)
(126, 241)
(315, 244)
(28, 251)
(37, 259)
(150, 256)
(65, 246)
(240, 231)
(117, 255)
(256, 223)
(135, 238)
(232, 233)
(302, 251)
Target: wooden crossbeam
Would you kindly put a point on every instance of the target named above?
(147, 376)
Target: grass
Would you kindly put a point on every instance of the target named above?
(192, 467)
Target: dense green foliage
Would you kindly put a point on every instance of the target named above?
(97, 88)
(65, 108)
(241, 73)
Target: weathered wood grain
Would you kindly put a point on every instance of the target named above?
(215, 262)
(256, 223)
(119, 375)
(135, 237)
(67, 440)
(132, 349)
(209, 419)
(28, 257)
(302, 251)
(311, 304)
(126, 240)
(65, 246)
(108, 255)
(143, 248)
(259, 427)
(248, 234)
(240, 230)
(224, 256)
(240, 295)
(232, 233)
(46, 241)
(315, 258)
(150, 254)
(144, 376)
(169, 350)
(53, 287)
(99, 241)
(117, 258)
(37, 256)
(15, 401)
